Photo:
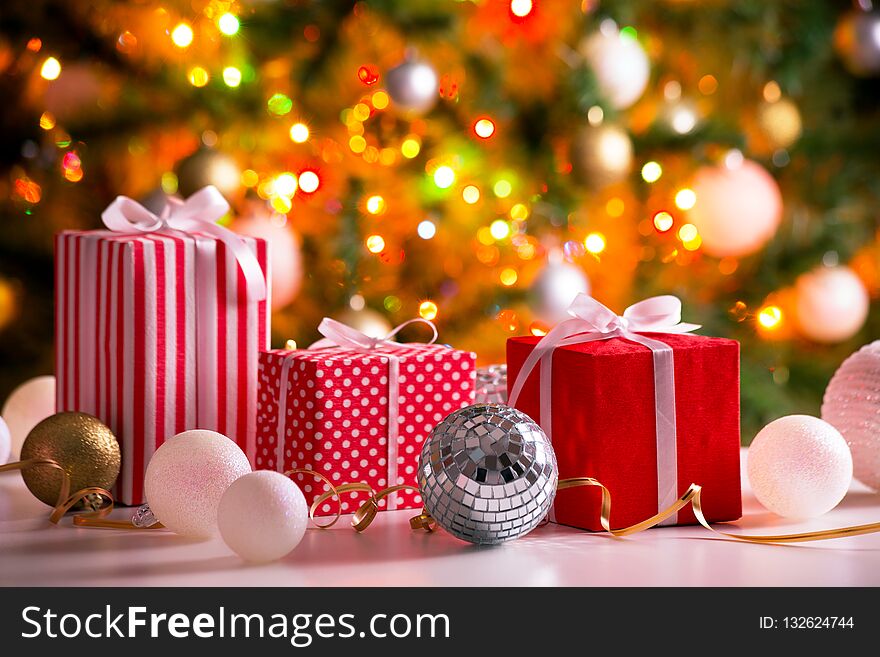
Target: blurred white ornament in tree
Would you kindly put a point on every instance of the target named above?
(555, 287)
(30, 403)
(831, 304)
(683, 116)
(208, 167)
(738, 208)
(367, 321)
(412, 86)
(620, 65)
(601, 155)
(857, 41)
(283, 244)
(780, 121)
(852, 406)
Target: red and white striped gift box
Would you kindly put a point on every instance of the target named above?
(155, 334)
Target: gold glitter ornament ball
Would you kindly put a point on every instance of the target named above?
(81, 444)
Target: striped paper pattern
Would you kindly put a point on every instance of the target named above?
(155, 335)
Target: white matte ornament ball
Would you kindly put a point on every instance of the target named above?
(799, 466)
(186, 478)
(831, 303)
(262, 516)
(412, 86)
(30, 403)
(620, 64)
(555, 287)
(852, 406)
(5, 442)
(738, 208)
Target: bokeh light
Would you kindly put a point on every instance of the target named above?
(375, 204)
(375, 244)
(198, 76)
(519, 212)
(309, 181)
(521, 8)
(685, 199)
(51, 69)
(427, 229)
(502, 188)
(410, 147)
(279, 104)
(484, 128)
(663, 221)
(770, 317)
(615, 207)
(470, 194)
(299, 133)
(428, 310)
(499, 229)
(687, 233)
(228, 24)
(595, 243)
(231, 76)
(652, 171)
(444, 176)
(285, 184)
(182, 35)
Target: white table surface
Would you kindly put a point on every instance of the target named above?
(35, 553)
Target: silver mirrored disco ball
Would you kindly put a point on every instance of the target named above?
(487, 473)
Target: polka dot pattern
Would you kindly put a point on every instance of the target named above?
(337, 414)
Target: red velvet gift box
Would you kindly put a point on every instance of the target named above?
(604, 426)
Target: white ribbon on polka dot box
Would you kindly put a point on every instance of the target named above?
(337, 409)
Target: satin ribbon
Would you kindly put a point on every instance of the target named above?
(197, 214)
(338, 335)
(592, 321)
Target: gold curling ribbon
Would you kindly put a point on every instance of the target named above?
(66, 501)
(692, 497)
(367, 512)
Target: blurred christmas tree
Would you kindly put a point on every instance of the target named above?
(474, 162)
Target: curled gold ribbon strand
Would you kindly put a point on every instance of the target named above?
(335, 491)
(692, 496)
(66, 501)
(366, 512)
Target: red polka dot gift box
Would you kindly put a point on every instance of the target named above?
(357, 415)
